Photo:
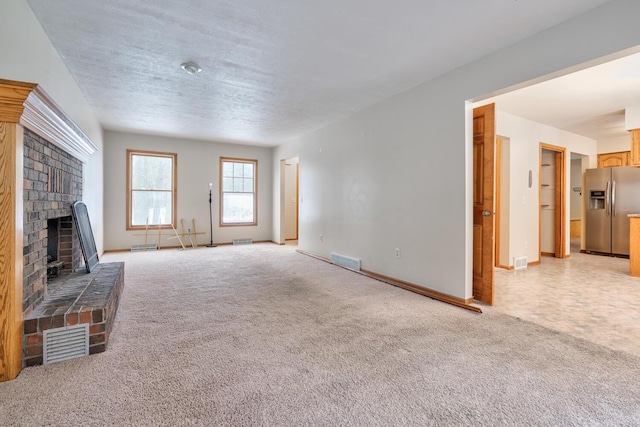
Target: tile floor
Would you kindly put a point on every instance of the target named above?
(588, 296)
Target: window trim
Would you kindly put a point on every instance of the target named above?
(254, 162)
(174, 190)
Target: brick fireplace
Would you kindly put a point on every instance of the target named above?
(52, 183)
(42, 153)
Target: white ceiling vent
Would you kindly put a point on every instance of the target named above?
(65, 343)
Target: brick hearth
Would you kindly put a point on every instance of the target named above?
(83, 298)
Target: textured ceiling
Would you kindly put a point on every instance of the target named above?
(272, 70)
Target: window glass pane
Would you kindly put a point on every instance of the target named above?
(237, 185)
(227, 169)
(248, 170)
(151, 173)
(237, 169)
(237, 208)
(227, 184)
(248, 185)
(152, 205)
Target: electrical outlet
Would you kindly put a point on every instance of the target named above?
(321, 238)
(397, 253)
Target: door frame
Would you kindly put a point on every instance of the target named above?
(283, 164)
(497, 199)
(560, 201)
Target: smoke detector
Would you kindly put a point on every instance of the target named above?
(191, 67)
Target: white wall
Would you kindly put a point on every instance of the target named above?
(398, 174)
(575, 201)
(28, 55)
(525, 138)
(198, 165)
(615, 145)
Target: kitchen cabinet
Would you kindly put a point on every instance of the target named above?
(634, 158)
(621, 158)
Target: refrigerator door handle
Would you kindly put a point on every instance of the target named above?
(606, 198)
(613, 199)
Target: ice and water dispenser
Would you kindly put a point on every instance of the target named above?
(596, 199)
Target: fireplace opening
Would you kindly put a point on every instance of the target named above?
(52, 240)
(63, 252)
(54, 264)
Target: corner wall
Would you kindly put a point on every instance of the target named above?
(398, 174)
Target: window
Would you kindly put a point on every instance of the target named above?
(151, 189)
(238, 191)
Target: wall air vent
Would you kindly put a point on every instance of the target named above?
(520, 263)
(345, 261)
(65, 343)
(242, 241)
(147, 247)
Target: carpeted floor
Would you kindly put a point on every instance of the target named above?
(261, 335)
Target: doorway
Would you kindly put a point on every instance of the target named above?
(290, 195)
(579, 163)
(552, 201)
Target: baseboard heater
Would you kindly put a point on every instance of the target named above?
(345, 261)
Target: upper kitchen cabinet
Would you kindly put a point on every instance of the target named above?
(635, 148)
(621, 158)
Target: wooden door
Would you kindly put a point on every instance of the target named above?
(483, 210)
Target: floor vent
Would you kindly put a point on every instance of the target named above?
(345, 261)
(520, 263)
(140, 248)
(65, 343)
(242, 241)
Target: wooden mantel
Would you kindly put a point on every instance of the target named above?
(12, 98)
(23, 105)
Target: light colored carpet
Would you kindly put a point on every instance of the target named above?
(261, 335)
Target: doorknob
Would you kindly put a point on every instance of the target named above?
(486, 213)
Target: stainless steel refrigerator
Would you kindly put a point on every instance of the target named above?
(611, 194)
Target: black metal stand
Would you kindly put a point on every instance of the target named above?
(211, 245)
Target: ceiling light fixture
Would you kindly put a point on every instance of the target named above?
(190, 67)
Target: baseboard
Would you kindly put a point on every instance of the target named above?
(506, 267)
(198, 245)
(532, 263)
(551, 254)
(449, 299)
(277, 243)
